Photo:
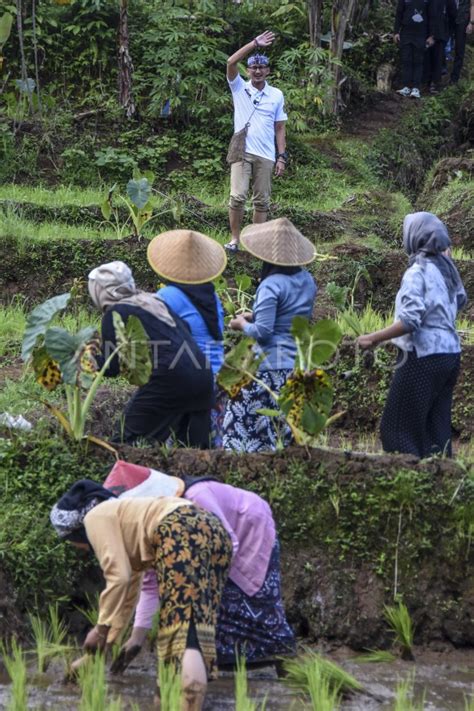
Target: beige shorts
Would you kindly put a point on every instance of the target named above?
(260, 170)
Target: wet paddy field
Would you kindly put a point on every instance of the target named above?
(445, 678)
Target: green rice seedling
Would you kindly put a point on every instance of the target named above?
(404, 697)
(91, 613)
(57, 628)
(170, 687)
(42, 642)
(242, 700)
(375, 656)
(15, 664)
(400, 622)
(469, 703)
(465, 329)
(355, 323)
(92, 682)
(461, 254)
(324, 695)
(299, 670)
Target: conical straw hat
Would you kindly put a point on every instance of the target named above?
(278, 242)
(186, 257)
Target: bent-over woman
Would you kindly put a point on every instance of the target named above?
(179, 395)
(188, 261)
(251, 620)
(286, 290)
(190, 551)
(417, 415)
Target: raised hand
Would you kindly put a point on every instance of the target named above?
(265, 39)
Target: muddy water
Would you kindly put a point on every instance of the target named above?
(446, 679)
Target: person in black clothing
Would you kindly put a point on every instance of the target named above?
(178, 398)
(442, 13)
(464, 24)
(411, 31)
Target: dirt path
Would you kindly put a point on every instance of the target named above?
(379, 111)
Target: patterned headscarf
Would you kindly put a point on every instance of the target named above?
(260, 59)
(67, 515)
(113, 283)
(425, 237)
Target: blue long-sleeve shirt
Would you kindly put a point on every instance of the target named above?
(183, 306)
(279, 298)
(424, 307)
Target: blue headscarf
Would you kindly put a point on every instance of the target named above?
(67, 515)
(425, 238)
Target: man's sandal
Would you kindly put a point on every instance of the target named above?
(231, 247)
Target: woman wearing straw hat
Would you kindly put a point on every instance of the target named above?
(178, 398)
(286, 290)
(188, 261)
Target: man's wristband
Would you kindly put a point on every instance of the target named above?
(257, 46)
(282, 156)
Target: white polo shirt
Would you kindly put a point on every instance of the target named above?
(270, 107)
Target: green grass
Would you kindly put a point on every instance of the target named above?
(47, 197)
(23, 232)
(13, 322)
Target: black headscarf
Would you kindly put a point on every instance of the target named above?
(425, 237)
(269, 269)
(203, 297)
(67, 515)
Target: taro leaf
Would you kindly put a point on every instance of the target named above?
(317, 342)
(139, 192)
(66, 348)
(134, 353)
(306, 401)
(238, 367)
(6, 21)
(38, 321)
(46, 369)
(106, 209)
(243, 281)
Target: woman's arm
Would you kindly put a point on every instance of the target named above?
(370, 340)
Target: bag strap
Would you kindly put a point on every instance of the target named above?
(254, 108)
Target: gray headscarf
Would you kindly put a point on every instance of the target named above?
(113, 283)
(425, 237)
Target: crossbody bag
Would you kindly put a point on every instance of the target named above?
(236, 148)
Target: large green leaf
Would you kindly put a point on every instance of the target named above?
(139, 192)
(134, 353)
(306, 401)
(240, 364)
(66, 349)
(316, 343)
(38, 321)
(6, 22)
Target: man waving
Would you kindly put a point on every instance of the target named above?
(261, 106)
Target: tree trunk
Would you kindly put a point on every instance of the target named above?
(125, 67)
(35, 52)
(315, 16)
(24, 71)
(341, 15)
